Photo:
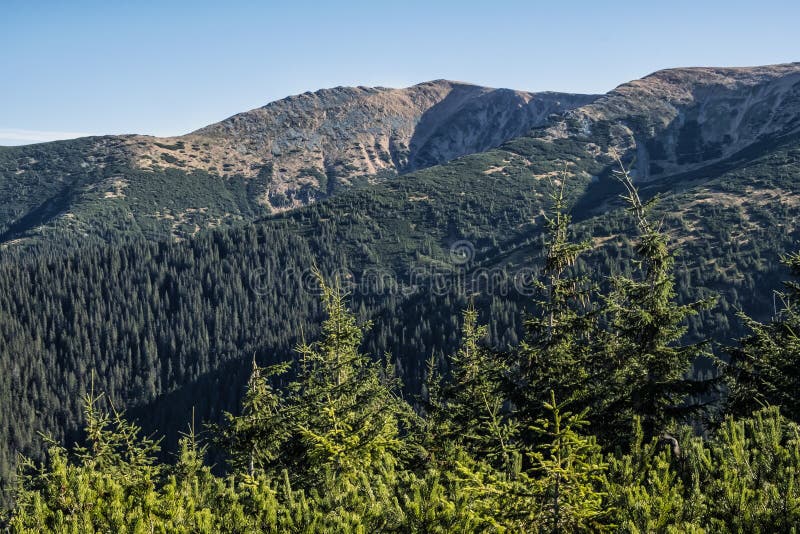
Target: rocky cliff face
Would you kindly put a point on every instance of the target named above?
(680, 119)
(302, 147)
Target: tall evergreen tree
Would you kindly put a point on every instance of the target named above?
(346, 411)
(555, 355)
(473, 412)
(646, 368)
(340, 417)
(255, 440)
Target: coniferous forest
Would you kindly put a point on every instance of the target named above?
(595, 400)
(439, 308)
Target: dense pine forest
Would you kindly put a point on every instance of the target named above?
(575, 404)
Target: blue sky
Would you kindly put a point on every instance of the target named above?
(168, 67)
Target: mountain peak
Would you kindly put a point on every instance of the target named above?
(301, 147)
(728, 74)
(679, 119)
(447, 83)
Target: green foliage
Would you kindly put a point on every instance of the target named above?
(337, 450)
(253, 439)
(343, 405)
(327, 443)
(172, 325)
(569, 469)
(621, 353)
(333, 433)
(647, 367)
(764, 367)
(109, 485)
(647, 491)
(556, 354)
(741, 479)
(471, 412)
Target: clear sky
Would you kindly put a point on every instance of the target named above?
(168, 67)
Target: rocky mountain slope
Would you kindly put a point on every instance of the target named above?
(306, 147)
(284, 155)
(335, 135)
(678, 120)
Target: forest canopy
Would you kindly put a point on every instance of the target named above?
(594, 422)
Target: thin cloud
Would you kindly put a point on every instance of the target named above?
(14, 136)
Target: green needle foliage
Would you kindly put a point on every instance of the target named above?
(646, 368)
(556, 353)
(569, 468)
(344, 407)
(765, 366)
(472, 414)
(254, 439)
(742, 478)
(107, 485)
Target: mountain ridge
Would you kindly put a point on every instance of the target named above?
(303, 148)
(286, 154)
(347, 132)
(677, 120)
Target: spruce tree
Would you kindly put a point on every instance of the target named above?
(345, 407)
(474, 413)
(646, 368)
(555, 355)
(764, 367)
(255, 439)
(476, 455)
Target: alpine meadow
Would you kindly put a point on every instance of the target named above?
(440, 308)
